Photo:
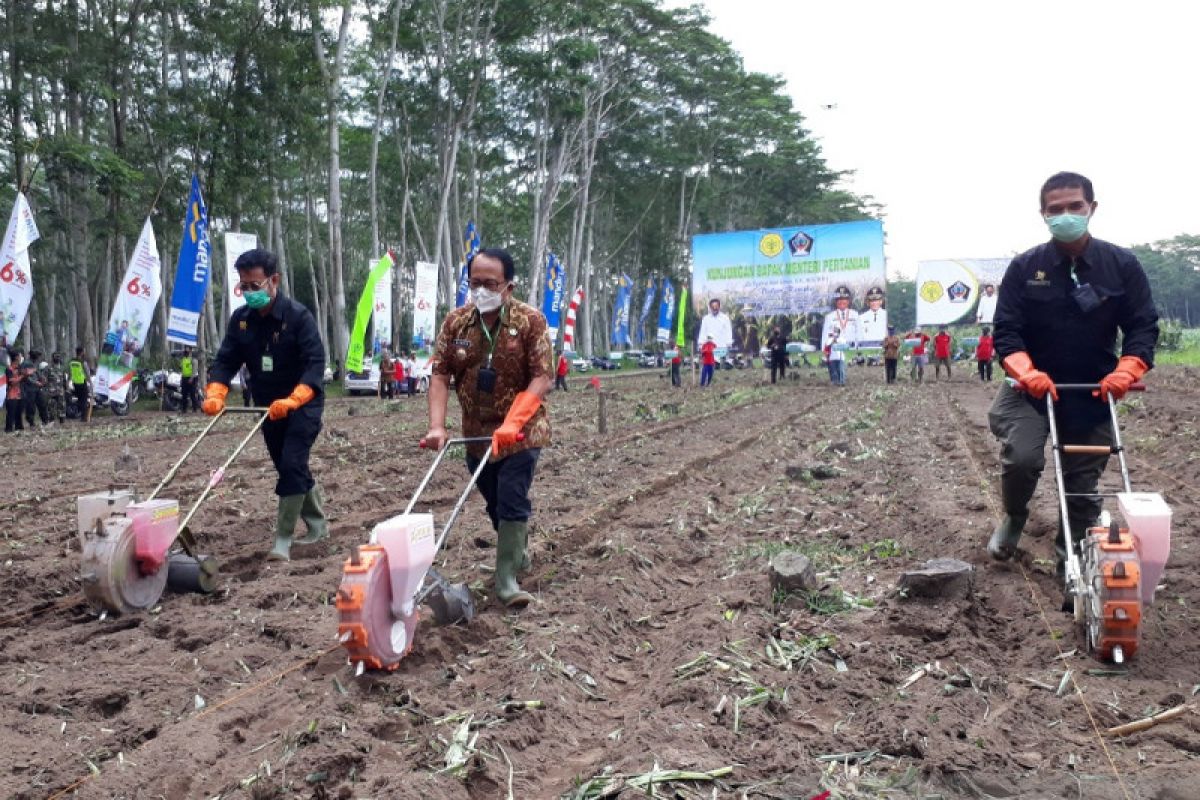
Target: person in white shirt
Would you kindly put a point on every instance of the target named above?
(835, 359)
(843, 319)
(872, 321)
(987, 305)
(716, 326)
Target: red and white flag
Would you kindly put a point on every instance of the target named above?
(16, 280)
(569, 331)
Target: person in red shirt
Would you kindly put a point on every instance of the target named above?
(398, 375)
(560, 373)
(708, 361)
(941, 353)
(920, 355)
(676, 365)
(983, 354)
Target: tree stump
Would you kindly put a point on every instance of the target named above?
(939, 578)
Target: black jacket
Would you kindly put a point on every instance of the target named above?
(1035, 312)
(288, 335)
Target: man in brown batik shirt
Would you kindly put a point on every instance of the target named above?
(498, 351)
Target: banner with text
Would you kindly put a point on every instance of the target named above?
(191, 272)
(383, 312)
(235, 245)
(130, 320)
(425, 305)
(470, 248)
(959, 290)
(647, 304)
(552, 299)
(790, 277)
(620, 318)
(666, 311)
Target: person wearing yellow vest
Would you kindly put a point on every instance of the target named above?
(277, 339)
(81, 381)
(187, 381)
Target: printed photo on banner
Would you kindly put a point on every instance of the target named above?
(130, 319)
(803, 280)
(961, 290)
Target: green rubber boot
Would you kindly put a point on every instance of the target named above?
(313, 514)
(285, 526)
(1003, 544)
(510, 552)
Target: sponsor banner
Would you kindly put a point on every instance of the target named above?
(16, 277)
(425, 305)
(130, 319)
(362, 315)
(791, 277)
(959, 290)
(647, 304)
(553, 296)
(235, 245)
(620, 320)
(383, 312)
(470, 247)
(192, 272)
(666, 311)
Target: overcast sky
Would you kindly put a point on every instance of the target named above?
(952, 114)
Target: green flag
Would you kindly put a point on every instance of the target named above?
(679, 340)
(366, 305)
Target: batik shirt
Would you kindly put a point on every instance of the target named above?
(520, 351)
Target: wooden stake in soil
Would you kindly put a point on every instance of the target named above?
(1148, 722)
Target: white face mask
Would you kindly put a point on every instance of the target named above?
(486, 300)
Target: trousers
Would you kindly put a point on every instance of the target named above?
(1022, 432)
(289, 441)
(505, 484)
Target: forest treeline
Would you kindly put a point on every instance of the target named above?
(606, 131)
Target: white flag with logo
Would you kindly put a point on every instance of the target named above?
(130, 320)
(235, 245)
(425, 305)
(16, 282)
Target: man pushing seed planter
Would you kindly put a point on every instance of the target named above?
(498, 351)
(276, 338)
(1060, 306)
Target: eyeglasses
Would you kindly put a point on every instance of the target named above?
(252, 287)
(490, 285)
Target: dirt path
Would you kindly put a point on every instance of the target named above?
(656, 639)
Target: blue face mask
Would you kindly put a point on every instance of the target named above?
(257, 300)
(1067, 227)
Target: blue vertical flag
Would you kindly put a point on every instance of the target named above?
(666, 311)
(647, 304)
(470, 247)
(191, 273)
(552, 301)
(620, 327)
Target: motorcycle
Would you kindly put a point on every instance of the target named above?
(167, 386)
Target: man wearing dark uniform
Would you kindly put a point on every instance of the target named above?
(1059, 309)
(498, 351)
(276, 338)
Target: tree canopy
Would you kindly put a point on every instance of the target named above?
(608, 131)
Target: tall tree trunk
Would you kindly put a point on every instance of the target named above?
(377, 131)
(331, 71)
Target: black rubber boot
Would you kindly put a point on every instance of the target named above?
(1003, 544)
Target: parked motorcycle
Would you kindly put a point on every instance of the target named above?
(168, 387)
(98, 399)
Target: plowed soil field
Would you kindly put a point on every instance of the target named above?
(656, 643)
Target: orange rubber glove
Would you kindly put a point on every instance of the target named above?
(299, 396)
(1031, 380)
(1129, 371)
(524, 406)
(214, 399)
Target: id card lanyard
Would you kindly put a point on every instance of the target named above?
(488, 334)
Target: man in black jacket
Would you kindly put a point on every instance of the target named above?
(276, 338)
(777, 345)
(1060, 307)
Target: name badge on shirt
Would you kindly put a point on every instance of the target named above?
(268, 364)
